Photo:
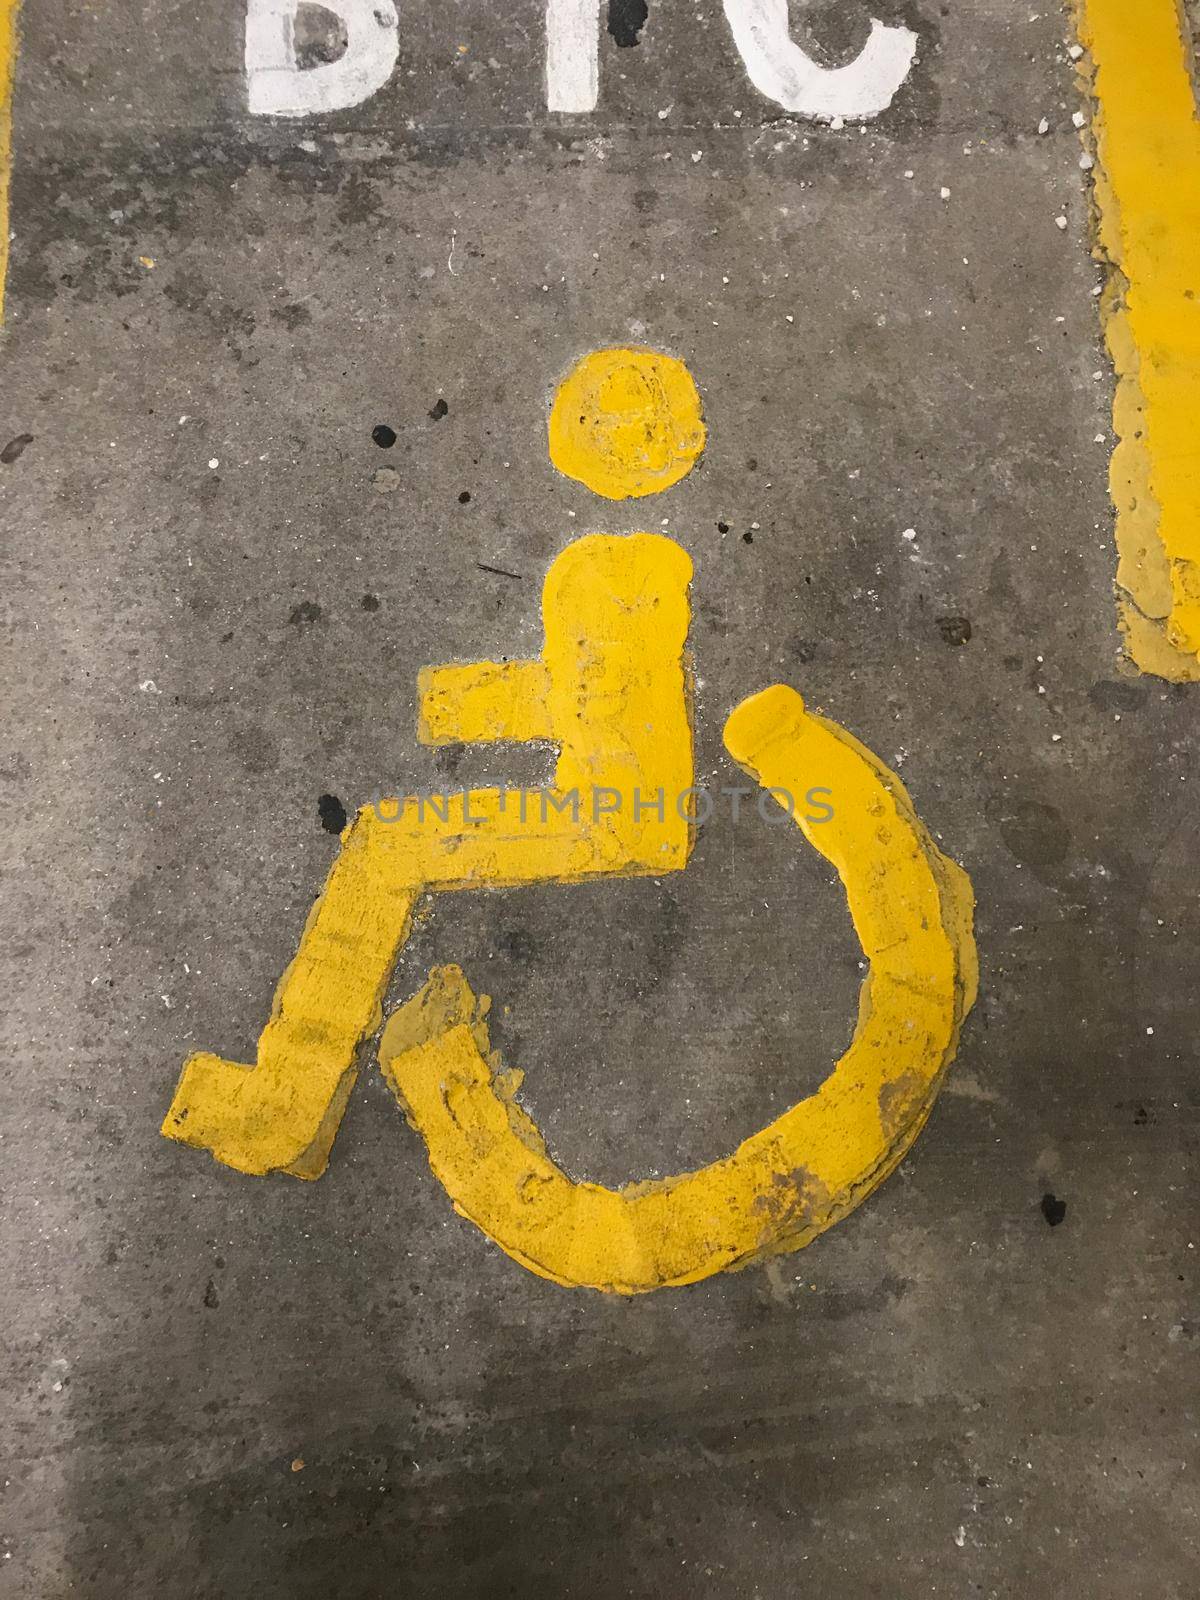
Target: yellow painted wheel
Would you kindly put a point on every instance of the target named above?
(627, 423)
(911, 908)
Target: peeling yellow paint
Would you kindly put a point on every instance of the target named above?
(627, 423)
(911, 908)
(8, 67)
(612, 688)
(1148, 198)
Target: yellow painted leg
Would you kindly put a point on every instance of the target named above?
(283, 1113)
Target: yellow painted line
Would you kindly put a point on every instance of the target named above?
(8, 67)
(1148, 196)
(911, 908)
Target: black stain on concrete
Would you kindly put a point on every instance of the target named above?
(306, 611)
(16, 768)
(320, 37)
(626, 19)
(332, 813)
(722, 527)
(448, 759)
(207, 302)
(255, 748)
(211, 1298)
(464, 498)
(359, 200)
(840, 1303)
(440, 410)
(954, 630)
(1035, 834)
(1111, 695)
(383, 436)
(292, 316)
(518, 944)
(370, 602)
(1053, 1209)
(15, 448)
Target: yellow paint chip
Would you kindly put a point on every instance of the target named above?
(8, 67)
(1147, 181)
(627, 423)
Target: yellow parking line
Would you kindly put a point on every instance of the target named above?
(1148, 197)
(8, 63)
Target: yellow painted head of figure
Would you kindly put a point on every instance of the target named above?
(627, 422)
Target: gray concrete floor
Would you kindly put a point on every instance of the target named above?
(945, 1395)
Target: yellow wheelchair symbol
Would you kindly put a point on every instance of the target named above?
(612, 690)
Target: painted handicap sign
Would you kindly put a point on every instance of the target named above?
(612, 690)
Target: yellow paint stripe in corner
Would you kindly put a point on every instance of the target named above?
(8, 65)
(1148, 195)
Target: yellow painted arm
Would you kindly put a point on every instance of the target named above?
(482, 701)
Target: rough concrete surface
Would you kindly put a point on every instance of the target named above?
(215, 618)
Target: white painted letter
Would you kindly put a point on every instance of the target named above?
(779, 68)
(279, 88)
(572, 54)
